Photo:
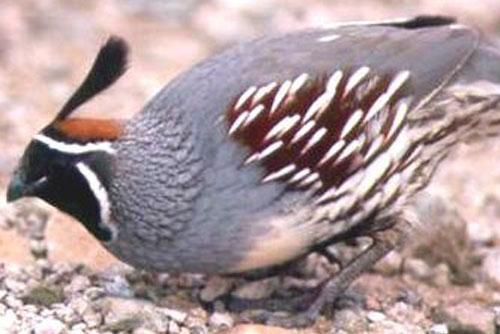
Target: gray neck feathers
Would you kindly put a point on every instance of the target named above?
(158, 168)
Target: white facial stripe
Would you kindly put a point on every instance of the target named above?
(74, 148)
(99, 192)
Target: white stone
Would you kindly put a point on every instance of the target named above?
(8, 322)
(439, 329)
(219, 319)
(175, 315)
(49, 326)
(375, 316)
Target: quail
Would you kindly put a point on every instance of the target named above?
(272, 149)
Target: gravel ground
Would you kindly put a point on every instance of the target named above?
(55, 279)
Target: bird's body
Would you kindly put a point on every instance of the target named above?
(277, 147)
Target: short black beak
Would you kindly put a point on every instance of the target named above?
(17, 187)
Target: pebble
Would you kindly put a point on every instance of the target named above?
(8, 321)
(79, 326)
(30, 308)
(215, 288)
(13, 302)
(76, 331)
(375, 316)
(79, 305)
(91, 318)
(94, 293)
(173, 328)
(78, 284)
(481, 233)
(175, 315)
(3, 293)
(143, 330)
(49, 326)
(491, 267)
(257, 289)
(349, 320)
(466, 316)
(219, 319)
(390, 264)
(438, 329)
(392, 327)
(15, 286)
(115, 284)
(260, 329)
(197, 317)
(417, 268)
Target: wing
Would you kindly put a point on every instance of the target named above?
(309, 109)
(346, 108)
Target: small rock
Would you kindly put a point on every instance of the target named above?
(67, 315)
(14, 286)
(30, 308)
(173, 328)
(79, 283)
(76, 331)
(175, 315)
(438, 329)
(91, 318)
(120, 313)
(49, 326)
(13, 302)
(391, 327)
(79, 326)
(143, 330)
(418, 269)
(115, 283)
(375, 316)
(350, 321)
(466, 317)
(124, 324)
(157, 321)
(79, 305)
(197, 317)
(491, 267)
(481, 233)
(441, 275)
(257, 289)
(390, 265)
(215, 287)
(94, 293)
(410, 297)
(39, 249)
(258, 329)
(8, 322)
(3, 293)
(219, 319)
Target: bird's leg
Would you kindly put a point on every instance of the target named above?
(333, 288)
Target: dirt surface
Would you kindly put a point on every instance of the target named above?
(447, 283)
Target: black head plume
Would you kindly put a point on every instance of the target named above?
(109, 65)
